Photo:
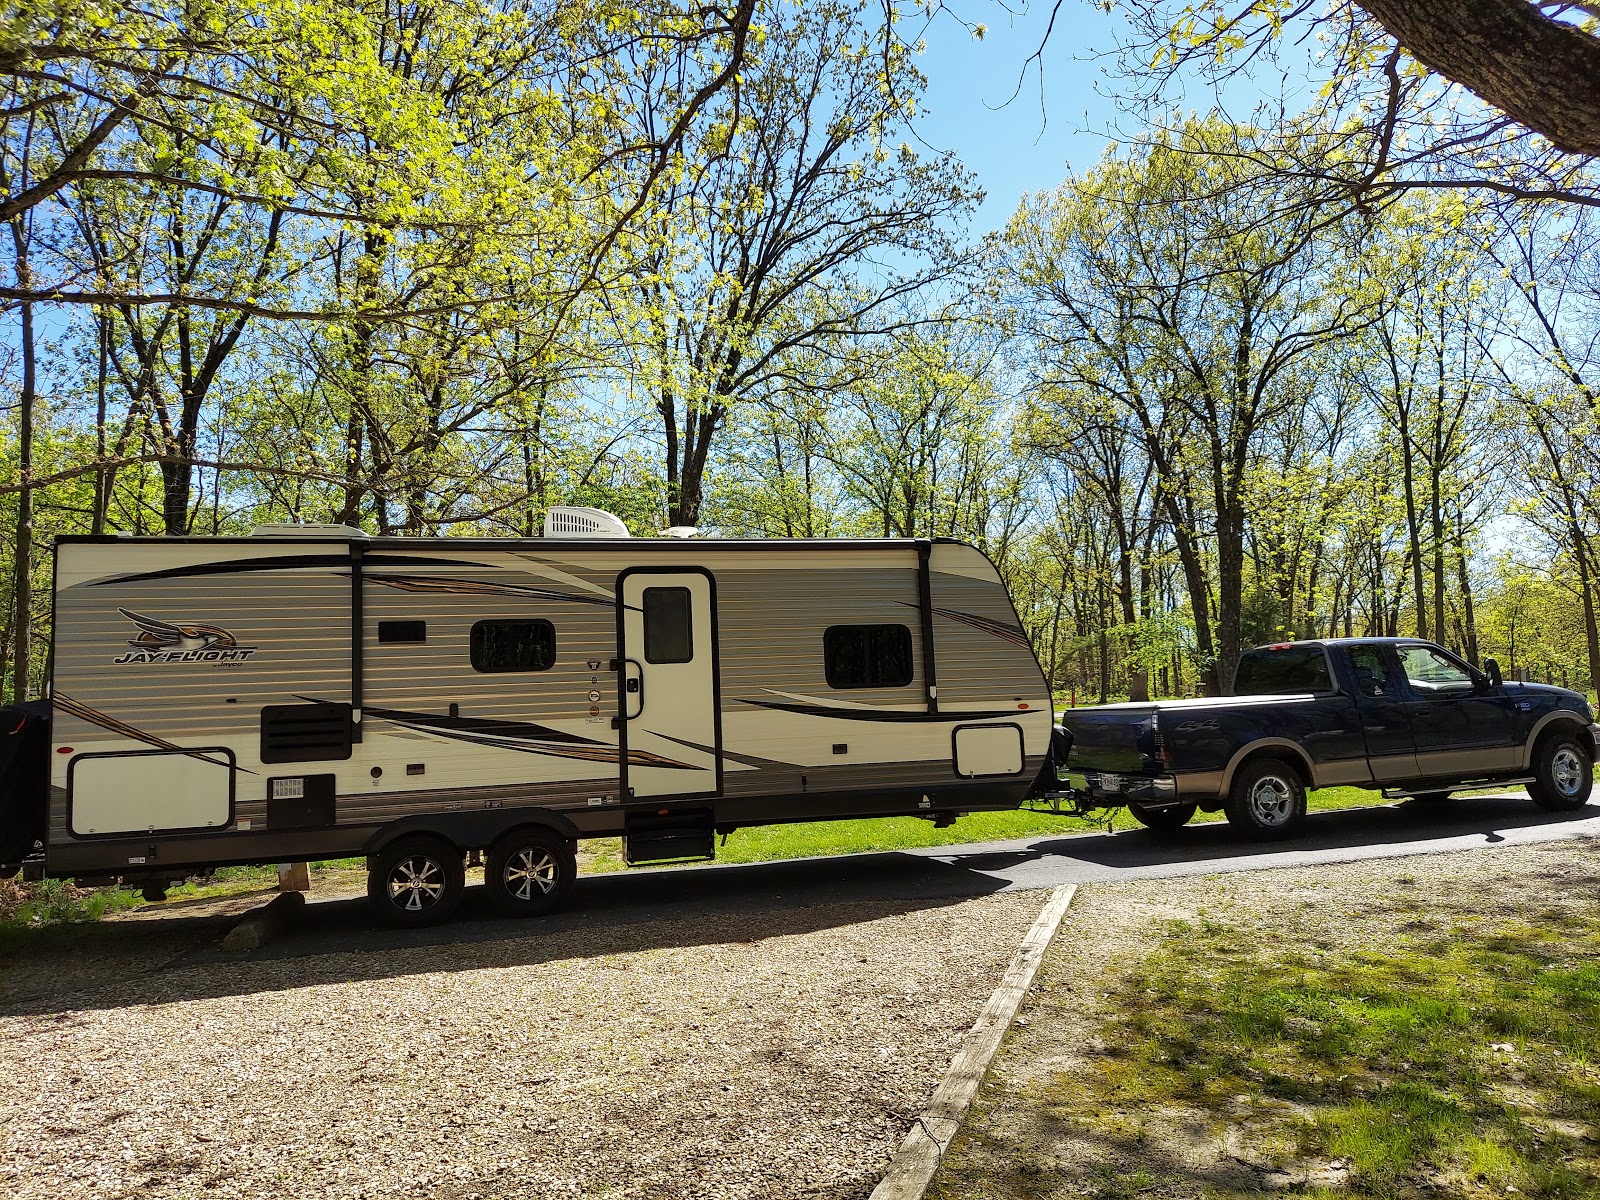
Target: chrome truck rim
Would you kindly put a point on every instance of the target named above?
(1271, 800)
(416, 883)
(531, 869)
(1567, 771)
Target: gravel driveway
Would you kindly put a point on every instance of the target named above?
(778, 1055)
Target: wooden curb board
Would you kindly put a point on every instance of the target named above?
(914, 1163)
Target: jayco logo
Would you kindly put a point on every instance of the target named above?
(164, 642)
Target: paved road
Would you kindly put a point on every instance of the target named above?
(669, 907)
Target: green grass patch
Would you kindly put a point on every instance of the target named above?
(1458, 1062)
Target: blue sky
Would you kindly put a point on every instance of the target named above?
(1013, 145)
(1024, 140)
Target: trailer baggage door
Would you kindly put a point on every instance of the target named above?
(671, 728)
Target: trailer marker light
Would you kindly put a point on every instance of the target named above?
(64, 750)
(1023, 706)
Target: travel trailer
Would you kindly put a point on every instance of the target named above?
(311, 692)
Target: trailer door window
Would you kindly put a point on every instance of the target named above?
(500, 646)
(867, 656)
(668, 627)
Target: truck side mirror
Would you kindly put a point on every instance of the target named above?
(1492, 670)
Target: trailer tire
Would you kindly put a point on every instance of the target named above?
(1163, 820)
(1267, 800)
(530, 872)
(416, 880)
(1563, 771)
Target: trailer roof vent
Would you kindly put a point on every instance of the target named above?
(681, 531)
(289, 529)
(571, 522)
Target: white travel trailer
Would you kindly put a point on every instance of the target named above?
(311, 692)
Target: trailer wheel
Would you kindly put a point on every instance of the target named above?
(416, 881)
(530, 872)
(1563, 772)
(1163, 820)
(1267, 800)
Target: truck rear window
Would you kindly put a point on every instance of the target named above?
(1281, 670)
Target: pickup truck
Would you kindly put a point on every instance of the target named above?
(1398, 714)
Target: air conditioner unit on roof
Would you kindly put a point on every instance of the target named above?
(572, 522)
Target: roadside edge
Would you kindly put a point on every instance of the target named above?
(914, 1164)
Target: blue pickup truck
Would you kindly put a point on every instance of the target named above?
(1401, 715)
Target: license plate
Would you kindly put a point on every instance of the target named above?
(1111, 783)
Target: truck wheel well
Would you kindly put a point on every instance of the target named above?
(1281, 753)
(1561, 726)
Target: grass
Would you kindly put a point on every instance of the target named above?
(1461, 1062)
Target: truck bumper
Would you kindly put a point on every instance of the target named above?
(1152, 790)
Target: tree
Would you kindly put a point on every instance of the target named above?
(794, 219)
(1153, 287)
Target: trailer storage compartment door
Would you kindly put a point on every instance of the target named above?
(150, 791)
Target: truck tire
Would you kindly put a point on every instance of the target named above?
(1163, 820)
(1563, 771)
(1267, 800)
(530, 872)
(416, 880)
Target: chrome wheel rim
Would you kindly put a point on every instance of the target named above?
(1271, 800)
(531, 870)
(416, 883)
(1566, 771)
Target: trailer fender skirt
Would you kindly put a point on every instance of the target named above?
(470, 830)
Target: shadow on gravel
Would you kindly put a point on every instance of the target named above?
(340, 941)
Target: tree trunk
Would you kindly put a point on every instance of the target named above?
(1538, 70)
(22, 588)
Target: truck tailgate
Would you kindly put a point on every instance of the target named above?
(1118, 737)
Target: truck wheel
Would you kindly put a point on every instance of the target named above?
(416, 881)
(1267, 800)
(1163, 820)
(1563, 772)
(530, 872)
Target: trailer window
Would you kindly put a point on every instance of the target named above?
(864, 656)
(1282, 670)
(500, 646)
(668, 626)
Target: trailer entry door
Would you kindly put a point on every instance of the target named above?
(671, 728)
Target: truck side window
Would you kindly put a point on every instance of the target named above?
(864, 656)
(1431, 674)
(1285, 670)
(1371, 677)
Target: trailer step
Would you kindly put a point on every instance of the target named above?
(678, 835)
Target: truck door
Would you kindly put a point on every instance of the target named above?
(1385, 721)
(1460, 730)
(670, 720)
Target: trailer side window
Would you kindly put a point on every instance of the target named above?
(668, 627)
(499, 646)
(864, 656)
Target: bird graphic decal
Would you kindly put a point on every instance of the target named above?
(164, 635)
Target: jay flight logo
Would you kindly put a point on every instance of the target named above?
(167, 642)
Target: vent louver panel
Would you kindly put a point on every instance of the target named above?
(305, 732)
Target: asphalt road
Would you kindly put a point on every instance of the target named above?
(663, 908)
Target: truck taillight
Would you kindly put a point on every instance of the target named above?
(1162, 752)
